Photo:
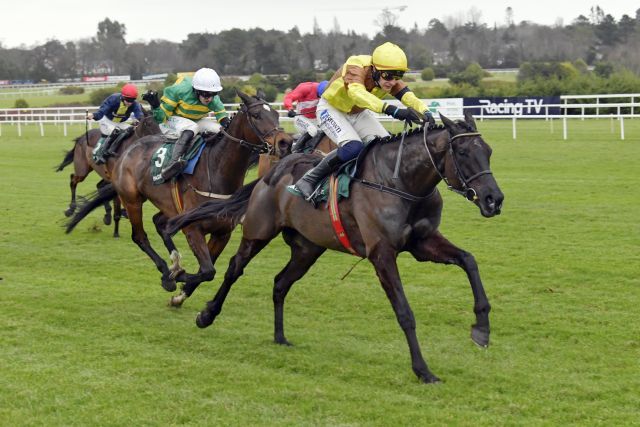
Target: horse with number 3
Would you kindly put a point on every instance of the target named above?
(218, 174)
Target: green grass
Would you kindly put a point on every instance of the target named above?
(86, 337)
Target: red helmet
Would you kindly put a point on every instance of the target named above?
(129, 91)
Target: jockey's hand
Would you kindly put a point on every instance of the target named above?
(151, 96)
(428, 118)
(292, 113)
(225, 122)
(89, 116)
(406, 114)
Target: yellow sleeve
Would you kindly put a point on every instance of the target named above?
(411, 100)
(363, 98)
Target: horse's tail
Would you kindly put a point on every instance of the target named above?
(232, 209)
(97, 198)
(68, 159)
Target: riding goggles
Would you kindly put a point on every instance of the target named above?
(205, 94)
(391, 75)
(128, 99)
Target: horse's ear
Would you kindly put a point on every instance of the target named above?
(468, 118)
(450, 125)
(245, 98)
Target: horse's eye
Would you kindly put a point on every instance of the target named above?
(256, 116)
(462, 152)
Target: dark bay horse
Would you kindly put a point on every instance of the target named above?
(81, 155)
(218, 174)
(382, 217)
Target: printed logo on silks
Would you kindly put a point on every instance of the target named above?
(327, 121)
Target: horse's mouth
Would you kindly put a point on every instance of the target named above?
(490, 207)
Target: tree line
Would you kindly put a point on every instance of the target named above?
(448, 49)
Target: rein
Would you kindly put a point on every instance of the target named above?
(264, 147)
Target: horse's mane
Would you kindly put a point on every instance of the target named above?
(396, 137)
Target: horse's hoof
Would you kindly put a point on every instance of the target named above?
(107, 220)
(176, 301)
(480, 336)
(116, 235)
(168, 285)
(429, 378)
(69, 212)
(283, 341)
(204, 319)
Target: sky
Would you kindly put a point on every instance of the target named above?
(31, 22)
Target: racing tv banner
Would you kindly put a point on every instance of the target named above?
(513, 106)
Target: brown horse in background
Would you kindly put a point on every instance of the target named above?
(81, 155)
(218, 174)
(394, 206)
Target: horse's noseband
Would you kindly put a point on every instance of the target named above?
(465, 190)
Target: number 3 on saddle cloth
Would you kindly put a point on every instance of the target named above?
(161, 157)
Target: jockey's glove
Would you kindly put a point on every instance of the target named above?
(225, 122)
(428, 118)
(291, 113)
(152, 98)
(406, 114)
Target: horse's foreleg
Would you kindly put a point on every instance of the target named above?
(117, 214)
(206, 272)
(160, 221)
(303, 255)
(140, 238)
(438, 249)
(107, 206)
(383, 258)
(247, 250)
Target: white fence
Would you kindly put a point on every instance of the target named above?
(65, 116)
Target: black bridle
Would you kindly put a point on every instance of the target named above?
(465, 190)
(264, 146)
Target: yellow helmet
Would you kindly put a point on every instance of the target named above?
(389, 56)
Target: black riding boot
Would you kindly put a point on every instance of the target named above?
(112, 149)
(299, 145)
(107, 143)
(176, 164)
(309, 180)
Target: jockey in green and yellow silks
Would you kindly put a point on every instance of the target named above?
(183, 111)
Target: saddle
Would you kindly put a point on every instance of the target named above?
(162, 155)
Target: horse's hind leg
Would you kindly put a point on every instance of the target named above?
(247, 250)
(303, 255)
(383, 258)
(438, 249)
(107, 206)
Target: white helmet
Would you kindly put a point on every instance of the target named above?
(207, 80)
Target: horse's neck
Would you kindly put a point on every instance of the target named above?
(417, 174)
(225, 163)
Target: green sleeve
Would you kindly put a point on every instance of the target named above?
(218, 108)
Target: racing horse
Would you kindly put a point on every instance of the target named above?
(81, 155)
(219, 173)
(393, 206)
